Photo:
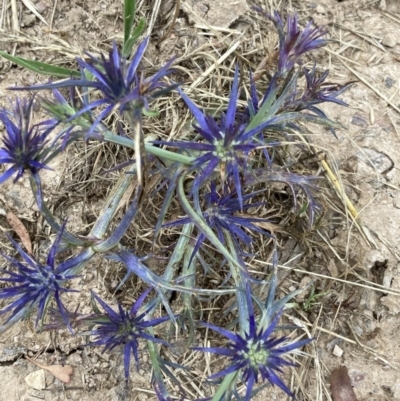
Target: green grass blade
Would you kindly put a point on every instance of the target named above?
(126, 51)
(129, 15)
(41, 68)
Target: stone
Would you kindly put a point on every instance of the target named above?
(36, 379)
(41, 7)
(390, 40)
(320, 10)
(337, 351)
(389, 81)
(359, 121)
(220, 13)
(371, 257)
(396, 390)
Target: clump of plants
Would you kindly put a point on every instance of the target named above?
(214, 183)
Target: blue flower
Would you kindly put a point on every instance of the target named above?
(257, 354)
(318, 91)
(24, 145)
(294, 42)
(118, 80)
(227, 143)
(34, 285)
(221, 214)
(125, 328)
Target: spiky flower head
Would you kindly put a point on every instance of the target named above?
(34, 285)
(122, 86)
(318, 91)
(295, 42)
(24, 144)
(227, 142)
(222, 214)
(257, 354)
(125, 328)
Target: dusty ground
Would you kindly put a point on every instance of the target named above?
(361, 322)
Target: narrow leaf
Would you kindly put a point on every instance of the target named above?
(129, 14)
(134, 37)
(41, 68)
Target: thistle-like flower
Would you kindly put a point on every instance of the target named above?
(317, 91)
(257, 353)
(227, 145)
(118, 80)
(64, 111)
(125, 328)
(24, 144)
(295, 41)
(222, 215)
(34, 285)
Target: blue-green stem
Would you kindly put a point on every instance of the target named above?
(154, 150)
(134, 117)
(241, 280)
(124, 224)
(173, 263)
(155, 364)
(201, 224)
(100, 227)
(189, 271)
(225, 388)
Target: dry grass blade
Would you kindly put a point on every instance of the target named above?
(364, 35)
(376, 287)
(14, 15)
(28, 4)
(362, 79)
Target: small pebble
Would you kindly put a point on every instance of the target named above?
(359, 121)
(36, 380)
(389, 81)
(337, 351)
(320, 10)
(390, 40)
(41, 7)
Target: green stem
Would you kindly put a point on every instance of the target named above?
(154, 150)
(241, 281)
(134, 117)
(224, 388)
(189, 271)
(100, 227)
(155, 364)
(202, 225)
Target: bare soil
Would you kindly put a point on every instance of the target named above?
(354, 325)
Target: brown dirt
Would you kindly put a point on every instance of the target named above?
(362, 322)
